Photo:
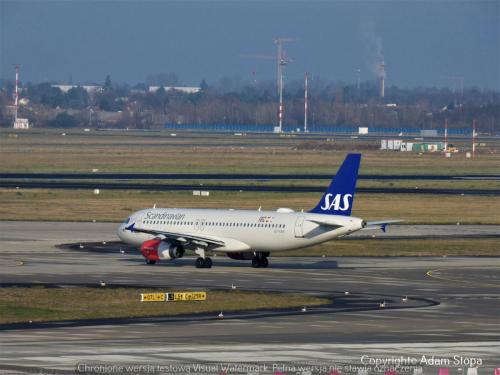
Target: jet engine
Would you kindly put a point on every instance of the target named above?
(156, 249)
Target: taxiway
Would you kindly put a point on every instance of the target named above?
(458, 315)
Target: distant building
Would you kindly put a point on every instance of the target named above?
(91, 89)
(109, 117)
(183, 89)
(399, 145)
(21, 123)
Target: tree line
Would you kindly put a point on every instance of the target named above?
(231, 101)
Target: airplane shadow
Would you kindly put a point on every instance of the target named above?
(132, 255)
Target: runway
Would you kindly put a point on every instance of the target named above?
(124, 185)
(463, 321)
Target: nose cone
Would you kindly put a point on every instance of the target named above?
(121, 231)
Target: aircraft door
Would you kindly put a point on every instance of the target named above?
(299, 227)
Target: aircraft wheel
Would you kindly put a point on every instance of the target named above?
(207, 263)
(200, 263)
(255, 263)
(264, 262)
(149, 261)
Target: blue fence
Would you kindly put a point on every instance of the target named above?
(313, 129)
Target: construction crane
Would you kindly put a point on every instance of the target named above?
(281, 61)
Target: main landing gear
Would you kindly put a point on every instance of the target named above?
(203, 261)
(260, 260)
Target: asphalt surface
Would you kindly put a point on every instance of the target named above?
(22, 184)
(452, 308)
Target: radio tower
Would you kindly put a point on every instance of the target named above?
(305, 103)
(382, 80)
(446, 135)
(19, 123)
(16, 97)
(473, 138)
(282, 61)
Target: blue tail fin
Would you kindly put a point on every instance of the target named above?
(339, 196)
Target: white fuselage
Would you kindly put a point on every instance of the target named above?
(242, 230)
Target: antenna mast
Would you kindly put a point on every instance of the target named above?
(305, 104)
(382, 80)
(16, 95)
(473, 138)
(446, 135)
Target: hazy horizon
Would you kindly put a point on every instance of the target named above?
(421, 43)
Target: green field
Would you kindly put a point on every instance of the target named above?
(39, 304)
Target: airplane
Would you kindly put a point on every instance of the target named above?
(166, 233)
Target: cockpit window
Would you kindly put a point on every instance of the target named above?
(127, 221)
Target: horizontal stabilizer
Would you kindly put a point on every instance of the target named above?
(382, 224)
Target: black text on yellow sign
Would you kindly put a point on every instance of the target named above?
(153, 297)
(173, 296)
(186, 296)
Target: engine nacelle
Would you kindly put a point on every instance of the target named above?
(157, 249)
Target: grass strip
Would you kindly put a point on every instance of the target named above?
(402, 248)
(39, 304)
(116, 205)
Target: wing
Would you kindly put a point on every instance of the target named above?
(183, 238)
(382, 224)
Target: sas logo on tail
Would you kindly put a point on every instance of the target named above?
(339, 202)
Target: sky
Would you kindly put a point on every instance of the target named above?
(422, 43)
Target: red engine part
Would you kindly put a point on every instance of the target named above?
(149, 249)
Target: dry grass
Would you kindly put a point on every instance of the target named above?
(49, 304)
(83, 205)
(80, 205)
(190, 153)
(403, 247)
